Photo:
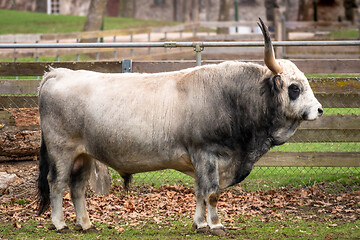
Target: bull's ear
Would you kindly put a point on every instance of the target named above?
(277, 83)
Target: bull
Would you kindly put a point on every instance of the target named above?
(211, 122)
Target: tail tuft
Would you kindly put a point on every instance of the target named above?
(127, 180)
(43, 195)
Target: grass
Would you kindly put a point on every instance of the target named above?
(12, 22)
(263, 178)
(345, 34)
(63, 58)
(332, 75)
(247, 228)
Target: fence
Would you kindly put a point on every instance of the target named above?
(147, 34)
(326, 148)
(190, 30)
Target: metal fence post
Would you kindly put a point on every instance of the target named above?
(114, 53)
(131, 40)
(198, 49)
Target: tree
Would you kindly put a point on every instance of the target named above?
(270, 5)
(224, 15)
(95, 15)
(127, 8)
(349, 6)
(305, 8)
(41, 6)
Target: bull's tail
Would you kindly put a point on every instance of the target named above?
(127, 180)
(43, 184)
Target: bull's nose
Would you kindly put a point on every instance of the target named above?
(320, 112)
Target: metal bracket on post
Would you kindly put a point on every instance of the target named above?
(198, 49)
(126, 66)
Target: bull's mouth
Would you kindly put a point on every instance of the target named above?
(304, 116)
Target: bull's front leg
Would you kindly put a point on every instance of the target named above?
(207, 194)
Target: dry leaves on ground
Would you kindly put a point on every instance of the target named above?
(176, 202)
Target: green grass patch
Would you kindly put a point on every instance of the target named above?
(292, 227)
(331, 75)
(342, 111)
(265, 178)
(295, 228)
(12, 22)
(66, 58)
(345, 34)
(262, 178)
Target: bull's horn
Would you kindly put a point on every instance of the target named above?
(269, 56)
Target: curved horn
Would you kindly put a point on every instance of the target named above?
(269, 56)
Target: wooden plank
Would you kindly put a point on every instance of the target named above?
(11, 38)
(351, 100)
(38, 68)
(335, 85)
(232, 37)
(333, 122)
(59, 36)
(325, 135)
(217, 24)
(19, 86)
(310, 159)
(310, 26)
(328, 65)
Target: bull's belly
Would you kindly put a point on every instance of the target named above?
(137, 162)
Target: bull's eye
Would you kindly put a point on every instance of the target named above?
(294, 92)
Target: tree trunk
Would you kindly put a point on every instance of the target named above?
(195, 11)
(270, 5)
(224, 15)
(41, 6)
(127, 8)
(186, 10)
(94, 17)
(305, 6)
(349, 6)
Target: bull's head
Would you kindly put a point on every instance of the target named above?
(290, 84)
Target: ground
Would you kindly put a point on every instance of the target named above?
(145, 203)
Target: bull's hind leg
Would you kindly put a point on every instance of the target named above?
(80, 174)
(58, 176)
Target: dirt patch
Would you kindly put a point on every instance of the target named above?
(25, 185)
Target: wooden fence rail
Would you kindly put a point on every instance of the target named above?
(331, 92)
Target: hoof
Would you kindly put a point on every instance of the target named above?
(218, 231)
(200, 230)
(52, 227)
(78, 228)
(64, 230)
(203, 230)
(91, 229)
